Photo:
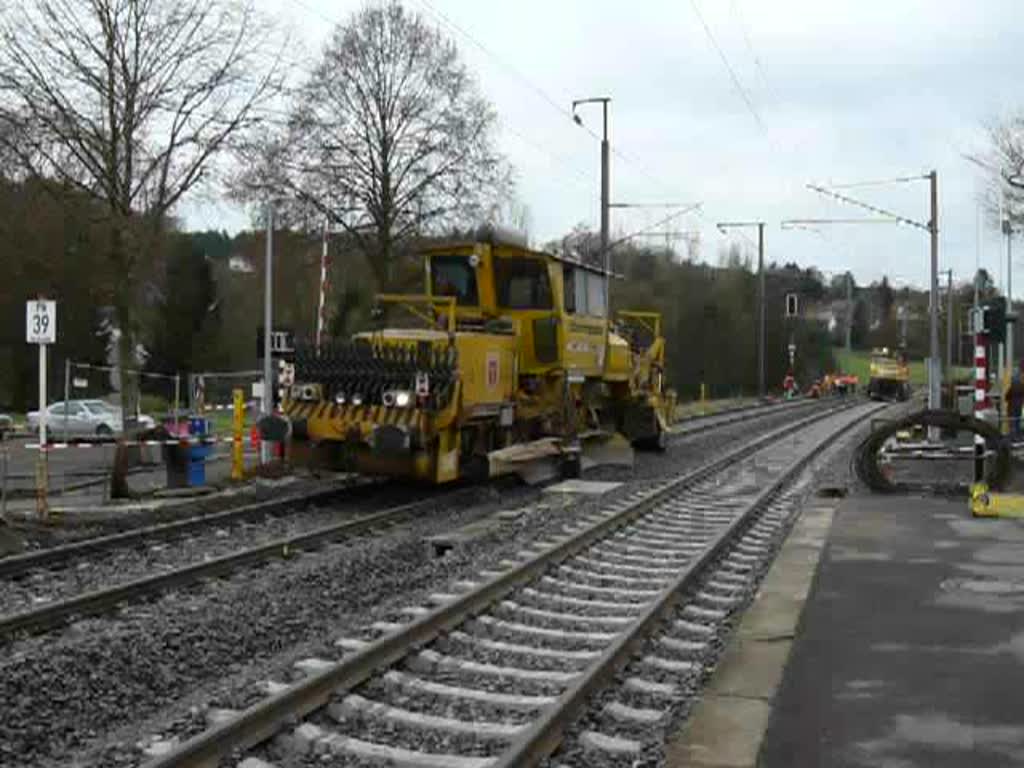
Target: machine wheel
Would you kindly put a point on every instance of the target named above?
(103, 432)
(657, 443)
(571, 466)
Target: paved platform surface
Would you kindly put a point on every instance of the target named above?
(910, 649)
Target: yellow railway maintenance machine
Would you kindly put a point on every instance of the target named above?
(511, 366)
(890, 375)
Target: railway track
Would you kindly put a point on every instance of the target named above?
(51, 558)
(56, 557)
(494, 673)
(95, 600)
(699, 424)
(55, 613)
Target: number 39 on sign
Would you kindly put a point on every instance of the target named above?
(40, 321)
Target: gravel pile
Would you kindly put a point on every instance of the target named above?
(91, 694)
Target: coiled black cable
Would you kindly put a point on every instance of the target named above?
(870, 472)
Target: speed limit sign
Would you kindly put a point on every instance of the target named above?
(40, 321)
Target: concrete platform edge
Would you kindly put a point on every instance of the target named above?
(726, 728)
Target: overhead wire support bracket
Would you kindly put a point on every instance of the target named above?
(689, 206)
(801, 223)
(880, 182)
(895, 217)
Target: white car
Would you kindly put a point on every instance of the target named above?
(84, 418)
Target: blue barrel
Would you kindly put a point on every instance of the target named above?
(198, 452)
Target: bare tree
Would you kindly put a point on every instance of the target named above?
(130, 101)
(389, 137)
(1005, 161)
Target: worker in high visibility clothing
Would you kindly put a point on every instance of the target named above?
(789, 385)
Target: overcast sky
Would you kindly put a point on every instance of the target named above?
(839, 91)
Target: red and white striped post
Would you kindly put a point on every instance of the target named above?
(981, 403)
(321, 315)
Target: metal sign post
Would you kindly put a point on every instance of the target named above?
(67, 395)
(4, 464)
(41, 329)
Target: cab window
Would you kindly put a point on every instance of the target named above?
(453, 276)
(595, 295)
(522, 284)
(569, 288)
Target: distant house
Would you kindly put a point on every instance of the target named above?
(239, 263)
(832, 314)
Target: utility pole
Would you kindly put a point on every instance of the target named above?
(604, 101)
(1008, 231)
(849, 312)
(762, 312)
(934, 370)
(267, 403)
(949, 325)
(932, 227)
(762, 331)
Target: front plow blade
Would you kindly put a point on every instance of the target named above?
(607, 449)
(534, 463)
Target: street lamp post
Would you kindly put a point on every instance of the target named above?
(761, 312)
(934, 359)
(605, 182)
(1007, 228)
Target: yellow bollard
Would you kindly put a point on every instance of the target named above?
(237, 455)
(985, 503)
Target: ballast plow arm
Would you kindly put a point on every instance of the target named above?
(413, 302)
(649, 320)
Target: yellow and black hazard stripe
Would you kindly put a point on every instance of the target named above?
(348, 414)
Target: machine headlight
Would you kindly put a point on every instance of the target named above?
(339, 398)
(357, 399)
(396, 398)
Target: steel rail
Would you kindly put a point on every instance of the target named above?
(52, 557)
(544, 735)
(55, 613)
(699, 424)
(264, 719)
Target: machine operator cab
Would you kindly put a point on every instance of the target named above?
(555, 306)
